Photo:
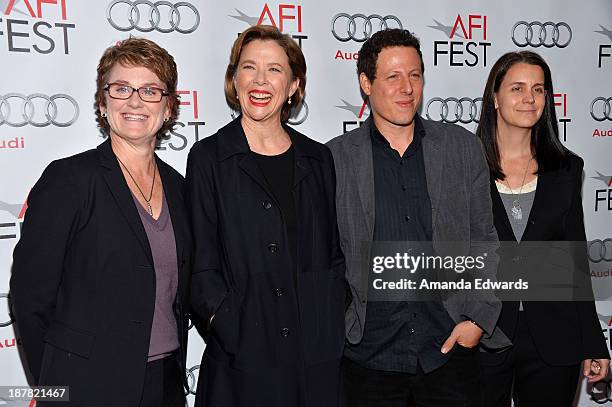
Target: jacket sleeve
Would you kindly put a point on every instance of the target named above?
(49, 226)
(482, 307)
(208, 284)
(593, 340)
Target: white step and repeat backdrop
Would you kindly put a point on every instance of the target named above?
(49, 50)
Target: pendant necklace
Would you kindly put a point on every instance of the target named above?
(517, 211)
(148, 201)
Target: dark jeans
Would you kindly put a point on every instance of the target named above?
(536, 383)
(163, 386)
(455, 384)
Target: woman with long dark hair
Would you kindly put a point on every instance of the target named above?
(535, 190)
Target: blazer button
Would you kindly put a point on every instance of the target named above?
(266, 204)
(272, 247)
(284, 332)
(279, 292)
(516, 259)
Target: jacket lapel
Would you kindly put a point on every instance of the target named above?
(433, 156)
(172, 193)
(363, 166)
(539, 205)
(504, 229)
(123, 197)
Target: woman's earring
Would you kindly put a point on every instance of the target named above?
(289, 100)
(103, 114)
(166, 119)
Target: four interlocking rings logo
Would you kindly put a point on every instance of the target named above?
(153, 16)
(606, 109)
(600, 250)
(465, 110)
(10, 319)
(29, 106)
(546, 34)
(192, 380)
(352, 32)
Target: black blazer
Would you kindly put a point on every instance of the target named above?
(565, 333)
(274, 341)
(83, 282)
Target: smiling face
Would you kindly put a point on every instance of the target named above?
(397, 90)
(263, 81)
(132, 119)
(521, 97)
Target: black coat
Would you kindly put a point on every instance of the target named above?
(276, 339)
(564, 333)
(83, 282)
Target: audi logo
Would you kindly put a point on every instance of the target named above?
(10, 319)
(606, 109)
(300, 115)
(600, 250)
(349, 30)
(192, 380)
(548, 34)
(153, 16)
(601, 392)
(453, 110)
(32, 112)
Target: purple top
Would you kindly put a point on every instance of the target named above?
(160, 233)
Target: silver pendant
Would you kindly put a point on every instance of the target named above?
(149, 209)
(517, 212)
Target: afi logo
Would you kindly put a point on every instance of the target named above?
(475, 22)
(285, 12)
(47, 38)
(360, 111)
(560, 100)
(39, 7)
(180, 140)
(603, 195)
(472, 30)
(285, 17)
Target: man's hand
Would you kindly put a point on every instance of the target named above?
(595, 369)
(466, 334)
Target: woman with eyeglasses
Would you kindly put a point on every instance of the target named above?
(100, 274)
(535, 190)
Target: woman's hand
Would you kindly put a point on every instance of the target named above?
(595, 369)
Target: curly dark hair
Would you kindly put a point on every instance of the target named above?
(395, 37)
(138, 52)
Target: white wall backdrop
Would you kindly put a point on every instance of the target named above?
(49, 51)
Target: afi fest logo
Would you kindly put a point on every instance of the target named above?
(467, 41)
(286, 17)
(560, 101)
(357, 28)
(187, 130)
(40, 26)
(604, 50)
(10, 226)
(603, 196)
(359, 111)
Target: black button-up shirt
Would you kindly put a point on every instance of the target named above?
(402, 336)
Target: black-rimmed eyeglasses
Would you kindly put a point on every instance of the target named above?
(146, 93)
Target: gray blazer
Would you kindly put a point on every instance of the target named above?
(459, 190)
